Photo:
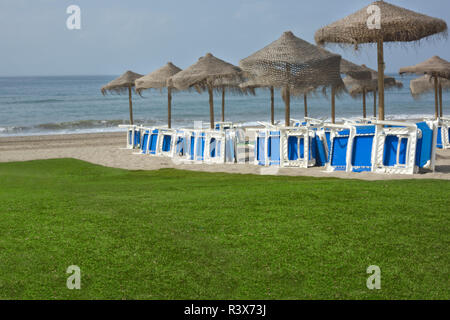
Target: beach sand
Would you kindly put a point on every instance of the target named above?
(108, 149)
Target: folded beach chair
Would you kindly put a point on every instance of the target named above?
(153, 137)
(362, 148)
(144, 140)
(340, 147)
(214, 146)
(195, 143)
(180, 147)
(395, 146)
(285, 146)
(298, 147)
(267, 152)
(443, 135)
(426, 144)
(165, 142)
(133, 136)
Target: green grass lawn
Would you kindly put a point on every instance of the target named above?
(172, 234)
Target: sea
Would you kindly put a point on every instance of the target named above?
(75, 104)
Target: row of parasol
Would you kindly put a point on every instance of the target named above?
(299, 68)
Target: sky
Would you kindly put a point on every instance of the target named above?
(143, 35)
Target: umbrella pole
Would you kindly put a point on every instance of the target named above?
(287, 103)
(375, 104)
(272, 106)
(440, 100)
(333, 106)
(380, 79)
(169, 107)
(436, 98)
(211, 106)
(305, 99)
(131, 104)
(223, 104)
(364, 103)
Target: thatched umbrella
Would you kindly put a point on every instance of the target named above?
(424, 84)
(436, 68)
(159, 79)
(395, 24)
(122, 84)
(360, 87)
(252, 85)
(209, 73)
(355, 71)
(358, 73)
(295, 66)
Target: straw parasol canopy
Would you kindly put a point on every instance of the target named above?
(122, 84)
(425, 84)
(157, 80)
(357, 87)
(295, 66)
(209, 73)
(355, 71)
(436, 68)
(378, 23)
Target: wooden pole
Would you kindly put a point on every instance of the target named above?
(333, 105)
(287, 120)
(272, 106)
(169, 107)
(305, 100)
(441, 113)
(436, 98)
(364, 103)
(287, 103)
(211, 106)
(380, 79)
(131, 104)
(375, 103)
(223, 104)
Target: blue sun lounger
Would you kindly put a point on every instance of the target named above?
(426, 144)
(443, 136)
(339, 149)
(267, 148)
(144, 138)
(299, 147)
(195, 143)
(395, 147)
(214, 146)
(133, 136)
(351, 147)
(362, 147)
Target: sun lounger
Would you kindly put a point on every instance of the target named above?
(443, 141)
(340, 147)
(133, 136)
(395, 146)
(426, 144)
(285, 146)
(214, 147)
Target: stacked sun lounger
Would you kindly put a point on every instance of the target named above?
(443, 135)
(364, 145)
(202, 145)
(355, 146)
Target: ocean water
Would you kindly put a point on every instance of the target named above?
(74, 104)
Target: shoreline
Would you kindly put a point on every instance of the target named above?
(108, 149)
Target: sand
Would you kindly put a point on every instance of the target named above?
(108, 149)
